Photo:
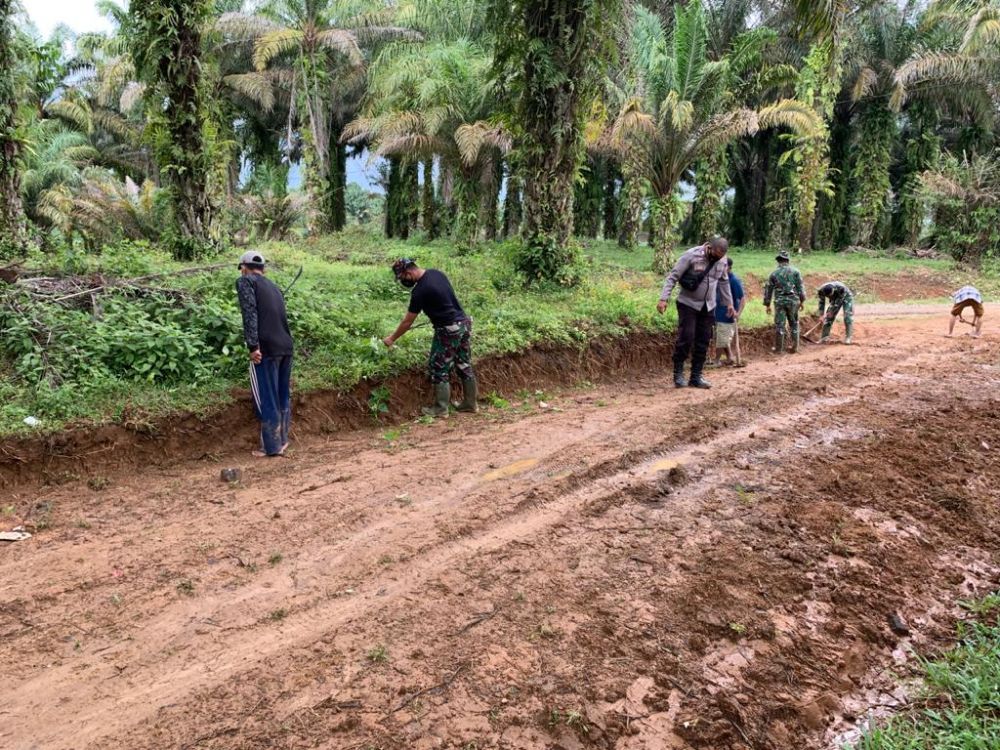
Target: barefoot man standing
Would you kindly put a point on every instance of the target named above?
(265, 330)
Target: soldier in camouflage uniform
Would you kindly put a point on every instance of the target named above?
(784, 286)
(433, 295)
(840, 297)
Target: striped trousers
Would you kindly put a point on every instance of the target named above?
(271, 389)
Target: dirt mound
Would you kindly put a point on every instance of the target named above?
(917, 284)
(90, 451)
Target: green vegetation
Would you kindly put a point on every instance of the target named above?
(141, 353)
(524, 147)
(960, 708)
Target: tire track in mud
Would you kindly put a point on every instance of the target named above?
(578, 481)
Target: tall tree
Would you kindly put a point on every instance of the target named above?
(552, 50)
(12, 227)
(682, 114)
(323, 47)
(166, 46)
(435, 100)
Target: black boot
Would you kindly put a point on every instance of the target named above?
(442, 400)
(470, 402)
(697, 381)
(679, 380)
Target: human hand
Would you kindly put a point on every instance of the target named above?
(256, 356)
(731, 312)
(389, 341)
(767, 309)
(661, 306)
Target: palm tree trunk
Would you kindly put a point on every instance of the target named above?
(168, 49)
(512, 208)
(393, 189)
(711, 178)
(664, 216)
(492, 182)
(558, 38)
(411, 186)
(587, 200)
(610, 202)
(13, 238)
(631, 201)
(428, 219)
(468, 207)
(870, 207)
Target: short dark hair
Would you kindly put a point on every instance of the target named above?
(719, 243)
(729, 261)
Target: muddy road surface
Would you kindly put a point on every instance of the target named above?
(618, 567)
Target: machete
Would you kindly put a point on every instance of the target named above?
(289, 287)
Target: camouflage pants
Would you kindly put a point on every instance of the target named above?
(786, 312)
(451, 347)
(848, 306)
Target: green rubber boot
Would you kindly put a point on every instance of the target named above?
(442, 400)
(470, 391)
(849, 335)
(825, 336)
(779, 343)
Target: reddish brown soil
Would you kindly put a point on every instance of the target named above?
(629, 567)
(914, 285)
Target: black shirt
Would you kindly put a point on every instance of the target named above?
(433, 295)
(265, 324)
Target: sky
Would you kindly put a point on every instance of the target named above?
(80, 15)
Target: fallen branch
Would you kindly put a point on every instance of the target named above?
(433, 688)
(135, 282)
(480, 618)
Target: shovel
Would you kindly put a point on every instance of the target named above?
(808, 333)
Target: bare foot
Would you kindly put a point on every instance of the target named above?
(258, 454)
(949, 335)
(283, 449)
(975, 335)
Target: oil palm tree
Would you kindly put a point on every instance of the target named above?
(437, 101)
(883, 40)
(682, 113)
(12, 229)
(322, 48)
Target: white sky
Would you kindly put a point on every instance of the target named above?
(80, 15)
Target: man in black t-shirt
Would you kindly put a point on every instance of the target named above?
(452, 346)
(265, 330)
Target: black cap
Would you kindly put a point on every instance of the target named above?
(402, 265)
(782, 257)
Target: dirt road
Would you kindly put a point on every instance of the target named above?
(622, 567)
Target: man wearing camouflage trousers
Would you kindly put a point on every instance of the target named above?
(840, 297)
(431, 293)
(784, 286)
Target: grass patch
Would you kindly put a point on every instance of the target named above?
(960, 707)
(147, 356)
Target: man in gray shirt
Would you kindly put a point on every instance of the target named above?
(698, 272)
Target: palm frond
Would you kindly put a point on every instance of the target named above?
(258, 87)
(131, 96)
(275, 43)
(864, 84)
(244, 27)
(471, 139)
(72, 112)
(341, 41)
(793, 114)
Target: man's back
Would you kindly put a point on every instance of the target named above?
(269, 315)
(785, 284)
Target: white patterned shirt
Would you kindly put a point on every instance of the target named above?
(967, 292)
